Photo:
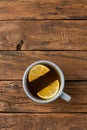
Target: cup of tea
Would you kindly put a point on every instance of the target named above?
(43, 82)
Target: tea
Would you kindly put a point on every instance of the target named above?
(43, 81)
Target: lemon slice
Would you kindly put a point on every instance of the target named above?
(37, 71)
(49, 90)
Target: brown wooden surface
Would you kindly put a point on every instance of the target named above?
(43, 35)
(43, 122)
(32, 30)
(13, 63)
(13, 99)
(48, 9)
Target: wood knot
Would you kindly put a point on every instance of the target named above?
(19, 45)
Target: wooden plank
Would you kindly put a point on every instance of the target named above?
(43, 35)
(14, 63)
(43, 121)
(13, 99)
(51, 9)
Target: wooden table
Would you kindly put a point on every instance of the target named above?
(32, 30)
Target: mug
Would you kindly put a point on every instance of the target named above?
(60, 93)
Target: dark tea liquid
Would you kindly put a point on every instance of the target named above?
(42, 82)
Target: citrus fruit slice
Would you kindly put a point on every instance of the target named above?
(49, 91)
(37, 71)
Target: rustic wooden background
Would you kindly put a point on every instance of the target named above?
(54, 30)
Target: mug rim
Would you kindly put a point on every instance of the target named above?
(57, 69)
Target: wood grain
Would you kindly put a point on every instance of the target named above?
(13, 99)
(73, 63)
(51, 9)
(43, 35)
(43, 122)
(32, 30)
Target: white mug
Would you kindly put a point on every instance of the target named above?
(60, 93)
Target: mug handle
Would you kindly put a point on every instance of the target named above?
(65, 96)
